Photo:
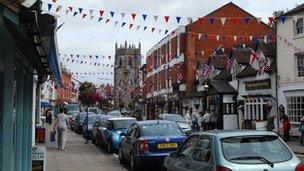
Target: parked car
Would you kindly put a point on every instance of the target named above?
(99, 123)
(115, 113)
(72, 121)
(90, 119)
(79, 121)
(179, 120)
(149, 142)
(115, 129)
(233, 150)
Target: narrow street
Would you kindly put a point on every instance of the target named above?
(79, 156)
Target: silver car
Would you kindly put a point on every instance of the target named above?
(233, 151)
(179, 120)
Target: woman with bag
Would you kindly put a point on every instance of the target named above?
(302, 131)
(62, 123)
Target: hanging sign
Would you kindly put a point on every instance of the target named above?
(257, 85)
(38, 158)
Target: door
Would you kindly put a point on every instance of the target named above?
(126, 142)
(203, 155)
(185, 154)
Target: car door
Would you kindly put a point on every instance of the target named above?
(95, 127)
(203, 158)
(185, 154)
(126, 142)
(105, 132)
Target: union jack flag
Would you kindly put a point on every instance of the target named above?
(264, 68)
(207, 70)
(253, 57)
(229, 64)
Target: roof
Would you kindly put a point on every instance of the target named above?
(242, 55)
(248, 71)
(169, 114)
(268, 49)
(195, 94)
(294, 10)
(234, 133)
(148, 122)
(223, 75)
(221, 87)
(219, 61)
(120, 118)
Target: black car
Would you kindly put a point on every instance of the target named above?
(87, 128)
(80, 120)
(99, 123)
(147, 143)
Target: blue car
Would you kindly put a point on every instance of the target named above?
(149, 142)
(87, 128)
(115, 128)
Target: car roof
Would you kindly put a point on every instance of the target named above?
(169, 114)
(120, 118)
(149, 122)
(234, 133)
(115, 111)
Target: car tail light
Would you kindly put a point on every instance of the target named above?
(300, 167)
(143, 146)
(222, 168)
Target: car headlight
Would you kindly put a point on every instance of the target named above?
(115, 137)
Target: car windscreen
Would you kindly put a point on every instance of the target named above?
(83, 116)
(251, 149)
(92, 119)
(161, 129)
(175, 118)
(115, 114)
(122, 124)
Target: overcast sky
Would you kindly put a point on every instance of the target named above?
(90, 37)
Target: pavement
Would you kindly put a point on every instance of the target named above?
(79, 156)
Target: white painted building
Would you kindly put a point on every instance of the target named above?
(290, 45)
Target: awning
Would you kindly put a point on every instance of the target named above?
(221, 88)
(53, 59)
(45, 104)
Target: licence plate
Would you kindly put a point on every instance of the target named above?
(166, 145)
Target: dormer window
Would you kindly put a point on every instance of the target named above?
(299, 26)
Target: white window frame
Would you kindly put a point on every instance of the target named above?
(254, 108)
(295, 108)
(300, 65)
(299, 29)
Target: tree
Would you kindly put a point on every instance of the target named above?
(87, 94)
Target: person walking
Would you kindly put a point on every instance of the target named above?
(206, 121)
(62, 123)
(187, 117)
(286, 127)
(302, 131)
(270, 124)
(193, 120)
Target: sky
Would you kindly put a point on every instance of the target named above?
(90, 37)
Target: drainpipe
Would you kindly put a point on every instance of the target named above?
(277, 103)
(237, 94)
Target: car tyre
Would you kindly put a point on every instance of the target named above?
(120, 156)
(109, 147)
(133, 165)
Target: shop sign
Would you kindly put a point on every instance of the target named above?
(256, 85)
(38, 158)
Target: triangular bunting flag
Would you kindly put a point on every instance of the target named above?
(203, 52)
(123, 24)
(107, 21)
(116, 22)
(155, 17)
(133, 16)
(270, 20)
(246, 19)
(178, 19)
(250, 38)
(122, 14)
(283, 18)
(211, 20)
(199, 36)
(144, 16)
(145, 28)
(131, 25)
(101, 13)
(50, 6)
(235, 38)
(265, 39)
(189, 19)
(223, 20)
(112, 13)
(67, 11)
(217, 37)
(259, 19)
(84, 15)
(91, 12)
(80, 10)
(166, 31)
(152, 30)
(91, 17)
(58, 8)
(159, 31)
(167, 18)
(75, 13)
(71, 9)
(109, 57)
(99, 19)
(138, 27)
(235, 20)
(54, 1)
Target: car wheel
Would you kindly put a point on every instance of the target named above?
(93, 141)
(120, 156)
(133, 165)
(109, 147)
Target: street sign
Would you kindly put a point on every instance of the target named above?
(38, 158)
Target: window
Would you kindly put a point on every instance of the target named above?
(187, 150)
(256, 108)
(202, 151)
(300, 65)
(295, 108)
(229, 108)
(299, 26)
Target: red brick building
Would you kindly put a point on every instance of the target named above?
(67, 92)
(171, 64)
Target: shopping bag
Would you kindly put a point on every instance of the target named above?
(53, 136)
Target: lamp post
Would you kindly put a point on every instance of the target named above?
(206, 88)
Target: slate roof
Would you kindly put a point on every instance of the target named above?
(223, 75)
(219, 61)
(195, 94)
(242, 55)
(248, 71)
(294, 10)
(221, 87)
(269, 49)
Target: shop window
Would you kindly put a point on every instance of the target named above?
(229, 108)
(295, 108)
(299, 26)
(256, 108)
(300, 65)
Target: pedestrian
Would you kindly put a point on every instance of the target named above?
(206, 121)
(187, 117)
(213, 121)
(302, 131)
(270, 124)
(62, 123)
(193, 120)
(286, 127)
(195, 116)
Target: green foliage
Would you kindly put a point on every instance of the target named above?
(87, 91)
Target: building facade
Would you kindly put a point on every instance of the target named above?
(126, 75)
(172, 63)
(67, 92)
(290, 44)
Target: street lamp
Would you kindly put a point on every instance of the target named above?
(206, 88)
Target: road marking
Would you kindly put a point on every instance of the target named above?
(115, 155)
